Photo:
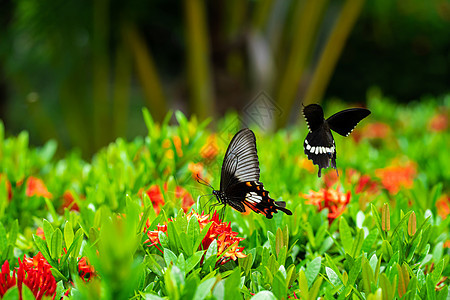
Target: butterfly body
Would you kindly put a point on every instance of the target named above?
(240, 187)
(319, 144)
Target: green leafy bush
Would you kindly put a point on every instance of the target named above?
(131, 223)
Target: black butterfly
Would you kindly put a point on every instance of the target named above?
(319, 143)
(239, 184)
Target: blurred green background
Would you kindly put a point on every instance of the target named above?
(79, 72)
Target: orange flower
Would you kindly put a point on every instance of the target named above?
(334, 200)
(69, 202)
(176, 143)
(196, 169)
(85, 269)
(36, 187)
(447, 244)
(439, 122)
(395, 177)
(209, 150)
(443, 206)
(8, 186)
(219, 231)
(306, 164)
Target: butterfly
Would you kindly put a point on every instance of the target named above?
(319, 144)
(240, 187)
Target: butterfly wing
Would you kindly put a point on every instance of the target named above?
(252, 195)
(320, 148)
(239, 184)
(313, 114)
(241, 160)
(345, 121)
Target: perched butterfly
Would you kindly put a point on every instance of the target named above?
(319, 143)
(239, 184)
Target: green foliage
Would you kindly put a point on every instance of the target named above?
(129, 188)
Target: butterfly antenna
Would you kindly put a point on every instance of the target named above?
(203, 181)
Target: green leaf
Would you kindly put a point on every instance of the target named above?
(346, 235)
(186, 243)
(169, 257)
(313, 269)
(357, 243)
(370, 240)
(232, 284)
(3, 238)
(144, 218)
(42, 246)
(192, 261)
(68, 234)
(367, 275)
(212, 250)
(204, 289)
(48, 231)
(388, 290)
(13, 232)
(193, 230)
(272, 242)
(264, 295)
(333, 277)
(202, 236)
(437, 272)
(303, 284)
(314, 291)
(279, 287)
(56, 244)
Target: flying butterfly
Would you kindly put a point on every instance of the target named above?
(319, 144)
(240, 187)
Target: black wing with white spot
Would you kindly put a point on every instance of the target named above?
(313, 114)
(319, 144)
(320, 148)
(345, 121)
(241, 160)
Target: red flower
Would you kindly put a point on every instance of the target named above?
(366, 184)
(439, 122)
(393, 178)
(377, 130)
(36, 275)
(6, 280)
(157, 198)
(69, 202)
(219, 231)
(85, 269)
(334, 200)
(36, 187)
(443, 206)
(40, 233)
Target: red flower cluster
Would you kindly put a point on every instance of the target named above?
(34, 273)
(377, 130)
(393, 178)
(439, 122)
(86, 270)
(69, 202)
(334, 200)
(157, 198)
(219, 231)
